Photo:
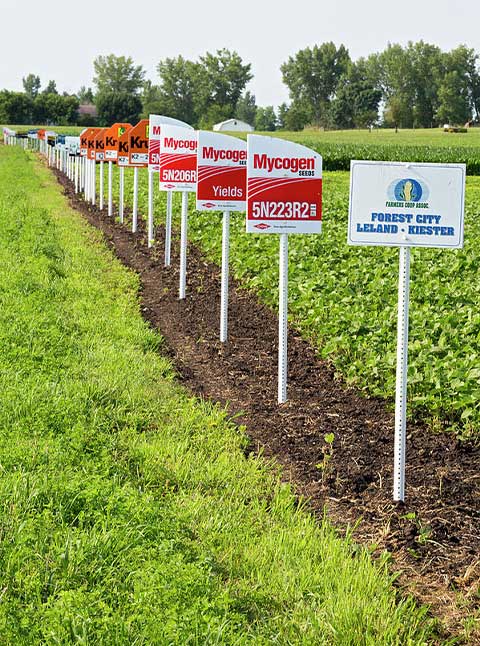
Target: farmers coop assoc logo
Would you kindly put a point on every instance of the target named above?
(408, 192)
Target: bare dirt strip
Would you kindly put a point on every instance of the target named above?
(433, 538)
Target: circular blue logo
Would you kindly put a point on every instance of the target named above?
(408, 190)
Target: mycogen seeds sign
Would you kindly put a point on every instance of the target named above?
(406, 204)
(284, 187)
(221, 172)
(156, 122)
(178, 159)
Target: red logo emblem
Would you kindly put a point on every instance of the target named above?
(169, 185)
(208, 205)
(262, 225)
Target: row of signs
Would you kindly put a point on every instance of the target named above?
(279, 183)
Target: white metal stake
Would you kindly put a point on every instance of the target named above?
(183, 246)
(168, 229)
(402, 369)
(110, 181)
(135, 200)
(224, 289)
(122, 190)
(101, 186)
(283, 319)
(76, 171)
(150, 207)
(88, 178)
(94, 181)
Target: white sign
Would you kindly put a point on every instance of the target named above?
(222, 172)
(284, 187)
(154, 135)
(409, 205)
(178, 159)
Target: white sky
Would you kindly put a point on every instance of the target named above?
(58, 40)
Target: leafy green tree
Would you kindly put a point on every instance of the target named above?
(31, 85)
(213, 114)
(357, 99)
(119, 83)
(396, 79)
(55, 109)
(118, 106)
(151, 99)
(117, 74)
(464, 61)
(51, 88)
(225, 77)
(312, 77)
(427, 69)
(281, 116)
(246, 108)
(454, 102)
(266, 119)
(181, 91)
(15, 107)
(204, 92)
(85, 95)
(295, 118)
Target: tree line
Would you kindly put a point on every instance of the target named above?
(417, 85)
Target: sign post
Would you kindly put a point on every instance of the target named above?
(284, 195)
(222, 186)
(122, 162)
(178, 172)
(112, 136)
(91, 134)
(154, 135)
(99, 157)
(138, 158)
(405, 205)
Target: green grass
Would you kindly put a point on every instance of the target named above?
(345, 300)
(61, 130)
(129, 513)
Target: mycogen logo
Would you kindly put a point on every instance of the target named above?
(189, 144)
(209, 152)
(293, 164)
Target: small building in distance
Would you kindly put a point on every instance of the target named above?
(233, 125)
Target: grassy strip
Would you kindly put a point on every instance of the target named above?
(128, 511)
(345, 300)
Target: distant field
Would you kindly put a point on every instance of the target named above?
(339, 147)
(386, 137)
(379, 136)
(61, 130)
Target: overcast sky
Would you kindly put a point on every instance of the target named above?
(59, 40)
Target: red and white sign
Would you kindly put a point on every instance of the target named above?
(221, 172)
(154, 134)
(178, 159)
(284, 187)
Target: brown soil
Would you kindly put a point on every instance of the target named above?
(433, 537)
